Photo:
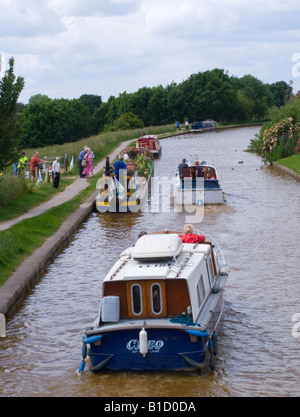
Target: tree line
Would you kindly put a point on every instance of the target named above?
(211, 94)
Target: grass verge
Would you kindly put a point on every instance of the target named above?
(22, 239)
(292, 162)
(29, 200)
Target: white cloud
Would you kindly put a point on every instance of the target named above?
(65, 48)
(28, 18)
(92, 7)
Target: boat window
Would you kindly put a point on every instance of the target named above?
(210, 271)
(136, 299)
(156, 301)
(200, 290)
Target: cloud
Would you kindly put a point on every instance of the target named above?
(93, 7)
(70, 47)
(28, 19)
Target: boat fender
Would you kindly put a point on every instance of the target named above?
(215, 343)
(82, 363)
(93, 339)
(143, 339)
(216, 289)
(84, 351)
(81, 366)
(211, 347)
(198, 333)
(212, 363)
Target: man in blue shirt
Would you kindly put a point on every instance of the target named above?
(119, 164)
(79, 162)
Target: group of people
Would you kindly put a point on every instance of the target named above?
(186, 125)
(85, 163)
(34, 167)
(54, 169)
(198, 170)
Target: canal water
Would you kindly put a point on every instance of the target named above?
(259, 336)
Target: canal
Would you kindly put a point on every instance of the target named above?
(259, 340)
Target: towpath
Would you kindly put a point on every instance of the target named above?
(71, 191)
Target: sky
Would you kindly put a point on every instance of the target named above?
(66, 48)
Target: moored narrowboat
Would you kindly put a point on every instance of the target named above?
(160, 307)
(150, 143)
(204, 126)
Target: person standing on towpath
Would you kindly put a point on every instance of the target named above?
(79, 162)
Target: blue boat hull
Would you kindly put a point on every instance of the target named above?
(167, 350)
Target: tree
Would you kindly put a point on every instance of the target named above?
(258, 94)
(245, 106)
(99, 118)
(91, 101)
(139, 104)
(157, 107)
(39, 98)
(175, 103)
(282, 93)
(55, 122)
(208, 95)
(128, 121)
(10, 89)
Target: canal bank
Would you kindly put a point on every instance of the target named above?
(285, 170)
(15, 288)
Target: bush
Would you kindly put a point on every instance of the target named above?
(12, 188)
(127, 121)
(279, 140)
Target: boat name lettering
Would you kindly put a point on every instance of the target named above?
(153, 345)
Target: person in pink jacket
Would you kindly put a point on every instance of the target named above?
(89, 167)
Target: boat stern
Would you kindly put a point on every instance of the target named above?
(145, 349)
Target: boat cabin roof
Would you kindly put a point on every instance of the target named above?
(147, 137)
(158, 256)
(154, 247)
